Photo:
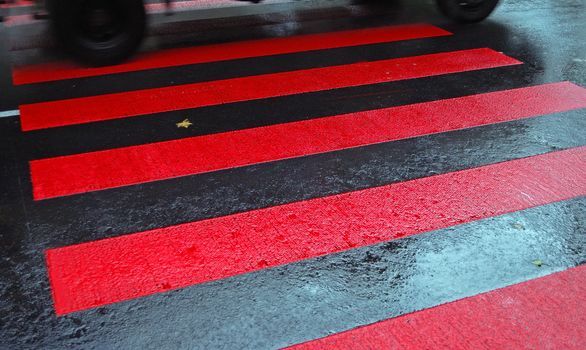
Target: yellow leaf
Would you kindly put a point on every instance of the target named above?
(184, 124)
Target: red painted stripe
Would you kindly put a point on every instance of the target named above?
(545, 313)
(111, 270)
(127, 104)
(93, 171)
(221, 52)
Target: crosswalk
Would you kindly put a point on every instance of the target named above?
(248, 235)
(179, 256)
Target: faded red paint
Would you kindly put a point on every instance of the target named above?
(111, 270)
(545, 313)
(128, 104)
(93, 171)
(221, 52)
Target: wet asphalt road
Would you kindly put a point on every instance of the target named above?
(296, 292)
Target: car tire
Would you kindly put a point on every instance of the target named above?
(467, 11)
(98, 32)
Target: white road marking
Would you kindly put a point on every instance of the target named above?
(12, 113)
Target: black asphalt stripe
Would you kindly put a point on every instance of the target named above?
(317, 297)
(73, 219)
(208, 120)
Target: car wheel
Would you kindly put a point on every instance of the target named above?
(99, 32)
(467, 11)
